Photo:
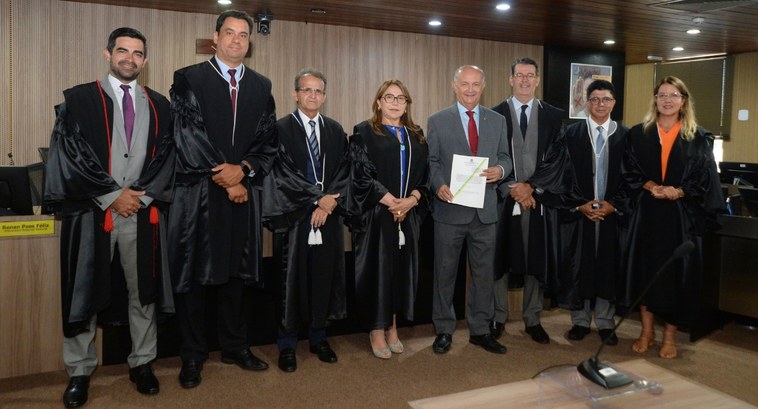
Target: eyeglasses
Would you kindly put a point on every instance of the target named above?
(316, 91)
(521, 76)
(598, 100)
(673, 95)
(389, 98)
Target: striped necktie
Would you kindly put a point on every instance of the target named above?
(313, 145)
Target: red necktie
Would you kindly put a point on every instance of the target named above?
(233, 83)
(473, 135)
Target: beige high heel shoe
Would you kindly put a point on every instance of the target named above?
(383, 353)
(395, 347)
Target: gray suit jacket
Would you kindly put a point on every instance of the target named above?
(127, 162)
(447, 137)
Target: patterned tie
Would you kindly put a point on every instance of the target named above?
(600, 172)
(473, 134)
(523, 121)
(313, 144)
(128, 107)
(233, 83)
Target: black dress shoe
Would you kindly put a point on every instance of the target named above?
(538, 334)
(608, 333)
(325, 352)
(143, 377)
(244, 359)
(578, 332)
(496, 329)
(488, 342)
(189, 376)
(287, 360)
(76, 392)
(442, 343)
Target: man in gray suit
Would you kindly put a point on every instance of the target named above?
(469, 129)
(111, 142)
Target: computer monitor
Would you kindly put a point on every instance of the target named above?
(739, 173)
(750, 199)
(15, 191)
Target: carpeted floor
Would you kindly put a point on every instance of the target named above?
(727, 360)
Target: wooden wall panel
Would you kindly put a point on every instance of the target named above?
(743, 144)
(638, 88)
(5, 49)
(58, 44)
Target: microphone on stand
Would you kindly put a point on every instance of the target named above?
(604, 375)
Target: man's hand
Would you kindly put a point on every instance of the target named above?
(237, 193)
(444, 193)
(318, 218)
(228, 175)
(127, 203)
(522, 193)
(492, 173)
(328, 202)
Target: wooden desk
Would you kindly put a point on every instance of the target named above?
(678, 392)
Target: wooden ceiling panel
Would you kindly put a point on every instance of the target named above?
(638, 28)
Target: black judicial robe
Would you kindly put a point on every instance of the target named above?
(213, 238)
(386, 277)
(313, 277)
(553, 175)
(585, 272)
(657, 226)
(75, 173)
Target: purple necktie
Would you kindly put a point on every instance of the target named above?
(128, 106)
(233, 83)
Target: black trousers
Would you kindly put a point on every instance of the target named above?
(230, 321)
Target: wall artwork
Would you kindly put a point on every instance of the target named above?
(582, 76)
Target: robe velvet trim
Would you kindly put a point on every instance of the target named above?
(212, 237)
(386, 277)
(76, 172)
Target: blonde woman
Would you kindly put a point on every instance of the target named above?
(670, 169)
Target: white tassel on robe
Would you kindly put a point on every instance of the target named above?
(319, 240)
(312, 237)
(401, 237)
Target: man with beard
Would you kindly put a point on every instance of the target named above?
(225, 133)
(109, 172)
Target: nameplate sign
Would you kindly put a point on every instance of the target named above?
(27, 228)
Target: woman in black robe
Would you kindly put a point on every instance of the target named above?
(389, 182)
(675, 188)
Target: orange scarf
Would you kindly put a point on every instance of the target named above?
(667, 142)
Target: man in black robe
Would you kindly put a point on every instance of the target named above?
(226, 141)
(526, 254)
(590, 230)
(313, 249)
(109, 174)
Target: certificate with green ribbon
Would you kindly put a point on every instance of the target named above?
(466, 182)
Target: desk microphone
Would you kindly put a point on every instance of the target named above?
(604, 375)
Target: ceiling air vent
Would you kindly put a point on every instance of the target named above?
(701, 6)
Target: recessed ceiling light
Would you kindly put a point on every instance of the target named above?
(693, 31)
(225, 2)
(435, 23)
(609, 42)
(503, 6)
(678, 49)
(318, 11)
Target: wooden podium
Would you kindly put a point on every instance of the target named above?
(31, 333)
